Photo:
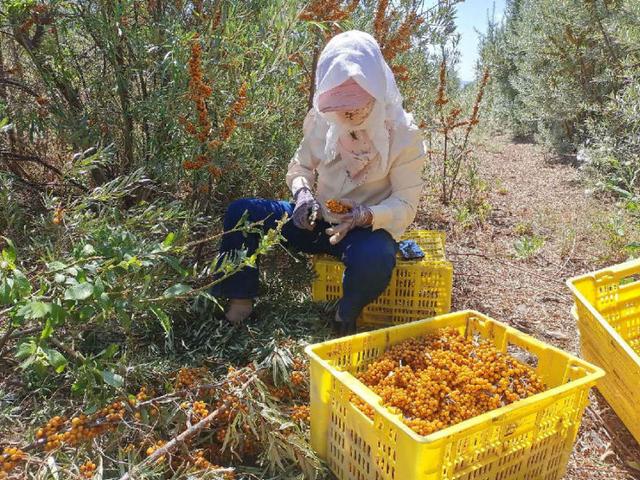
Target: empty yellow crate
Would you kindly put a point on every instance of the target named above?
(417, 289)
(530, 439)
(607, 310)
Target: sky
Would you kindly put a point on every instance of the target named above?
(472, 14)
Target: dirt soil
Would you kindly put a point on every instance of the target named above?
(535, 196)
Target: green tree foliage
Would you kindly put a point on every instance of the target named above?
(566, 71)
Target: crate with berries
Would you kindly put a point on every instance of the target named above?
(458, 396)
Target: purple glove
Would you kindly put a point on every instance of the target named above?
(306, 211)
(359, 216)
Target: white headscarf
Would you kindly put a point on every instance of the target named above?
(355, 54)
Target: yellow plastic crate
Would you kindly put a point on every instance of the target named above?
(418, 288)
(530, 439)
(607, 310)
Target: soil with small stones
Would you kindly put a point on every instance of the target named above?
(541, 198)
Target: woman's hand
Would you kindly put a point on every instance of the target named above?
(306, 211)
(359, 216)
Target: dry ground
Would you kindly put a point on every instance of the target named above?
(542, 199)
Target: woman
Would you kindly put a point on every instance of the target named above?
(359, 146)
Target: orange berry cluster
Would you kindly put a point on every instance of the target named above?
(10, 459)
(142, 394)
(476, 104)
(444, 378)
(442, 86)
(401, 40)
(153, 448)
(281, 393)
(297, 378)
(394, 44)
(200, 410)
(301, 413)
(83, 427)
(129, 448)
(189, 377)
(336, 206)
(51, 429)
(88, 469)
(328, 10)
(381, 22)
(201, 463)
(58, 215)
(229, 124)
(199, 92)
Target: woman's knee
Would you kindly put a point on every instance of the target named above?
(235, 211)
(372, 262)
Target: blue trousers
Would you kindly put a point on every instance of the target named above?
(369, 256)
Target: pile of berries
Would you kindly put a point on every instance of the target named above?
(442, 379)
(10, 459)
(336, 206)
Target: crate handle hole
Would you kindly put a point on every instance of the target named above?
(629, 279)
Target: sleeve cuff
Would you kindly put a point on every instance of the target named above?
(382, 216)
(298, 183)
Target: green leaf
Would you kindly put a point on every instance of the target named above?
(163, 318)
(111, 350)
(113, 379)
(21, 285)
(177, 290)
(132, 261)
(55, 319)
(58, 314)
(9, 254)
(73, 271)
(175, 264)
(5, 292)
(55, 359)
(26, 349)
(98, 287)
(47, 330)
(59, 278)
(168, 241)
(88, 250)
(56, 266)
(82, 291)
(34, 310)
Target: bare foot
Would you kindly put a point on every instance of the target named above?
(239, 310)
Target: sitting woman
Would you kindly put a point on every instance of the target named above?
(359, 147)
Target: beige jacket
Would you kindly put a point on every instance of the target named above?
(392, 193)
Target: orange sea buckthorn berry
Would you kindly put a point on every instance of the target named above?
(335, 206)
